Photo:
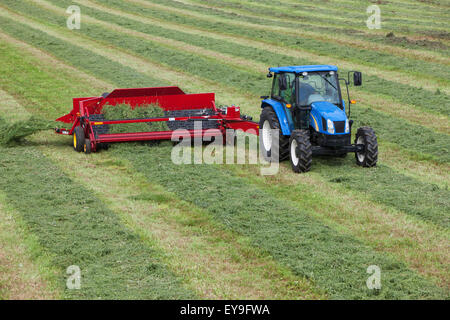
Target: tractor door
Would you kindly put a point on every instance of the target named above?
(283, 90)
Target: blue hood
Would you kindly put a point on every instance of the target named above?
(328, 111)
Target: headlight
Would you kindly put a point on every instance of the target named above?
(347, 126)
(330, 126)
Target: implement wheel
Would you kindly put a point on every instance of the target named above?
(300, 151)
(272, 149)
(87, 148)
(78, 139)
(368, 157)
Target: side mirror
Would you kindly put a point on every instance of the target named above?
(282, 83)
(269, 75)
(357, 78)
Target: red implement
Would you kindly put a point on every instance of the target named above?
(178, 106)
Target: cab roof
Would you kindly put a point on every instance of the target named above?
(300, 69)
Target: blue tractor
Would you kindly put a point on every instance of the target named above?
(305, 115)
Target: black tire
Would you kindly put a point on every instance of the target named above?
(369, 157)
(87, 148)
(78, 139)
(300, 151)
(279, 149)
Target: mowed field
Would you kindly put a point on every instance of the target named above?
(141, 227)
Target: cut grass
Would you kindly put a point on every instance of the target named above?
(294, 38)
(25, 271)
(130, 66)
(385, 70)
(401, 92)
(421, 244)
(123, 112)
(214, 263)
(47, 5)
(335, 262)
(114, 262)
(12, 133)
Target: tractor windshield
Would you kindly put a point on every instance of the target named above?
(319, 86)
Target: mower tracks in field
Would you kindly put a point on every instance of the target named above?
(342, 39)
(21, 277)
(436, 122)
(383, 74)
(326, 21)
(191, 82)
(213, 262)
(55, 64)
(422, 245)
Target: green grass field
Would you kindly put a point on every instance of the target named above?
(141, 227)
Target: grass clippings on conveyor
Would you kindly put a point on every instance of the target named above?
(124, 112)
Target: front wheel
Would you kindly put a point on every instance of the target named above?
(78, 139)
(369, 156)
(87, 148)
(300, 151)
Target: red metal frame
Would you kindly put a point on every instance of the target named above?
(168, 98)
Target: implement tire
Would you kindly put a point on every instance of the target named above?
(272, 149)
(300, 151)
(78, 139)
(87, 148)
(367, 137)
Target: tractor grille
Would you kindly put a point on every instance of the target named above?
(339, 126)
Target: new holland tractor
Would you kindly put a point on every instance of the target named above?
(305, 115)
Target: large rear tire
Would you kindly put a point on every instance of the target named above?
(78, 139)
(367, 137)
(300, 151)
(272, 149)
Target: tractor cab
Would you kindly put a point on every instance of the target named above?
(309, 99)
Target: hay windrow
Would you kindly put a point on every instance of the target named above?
(124, 111)
(12, 133)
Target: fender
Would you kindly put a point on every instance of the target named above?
(283, 118)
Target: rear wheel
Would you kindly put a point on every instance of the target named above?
(272, 149)
(78, 139)
(87, 148)
(369, 156)
(300, 151)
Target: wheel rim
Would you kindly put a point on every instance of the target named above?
(295, 159)
(267, 135)
(361, 155)
(85, 147)
(74, 140)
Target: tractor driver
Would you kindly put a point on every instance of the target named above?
(305, 91)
